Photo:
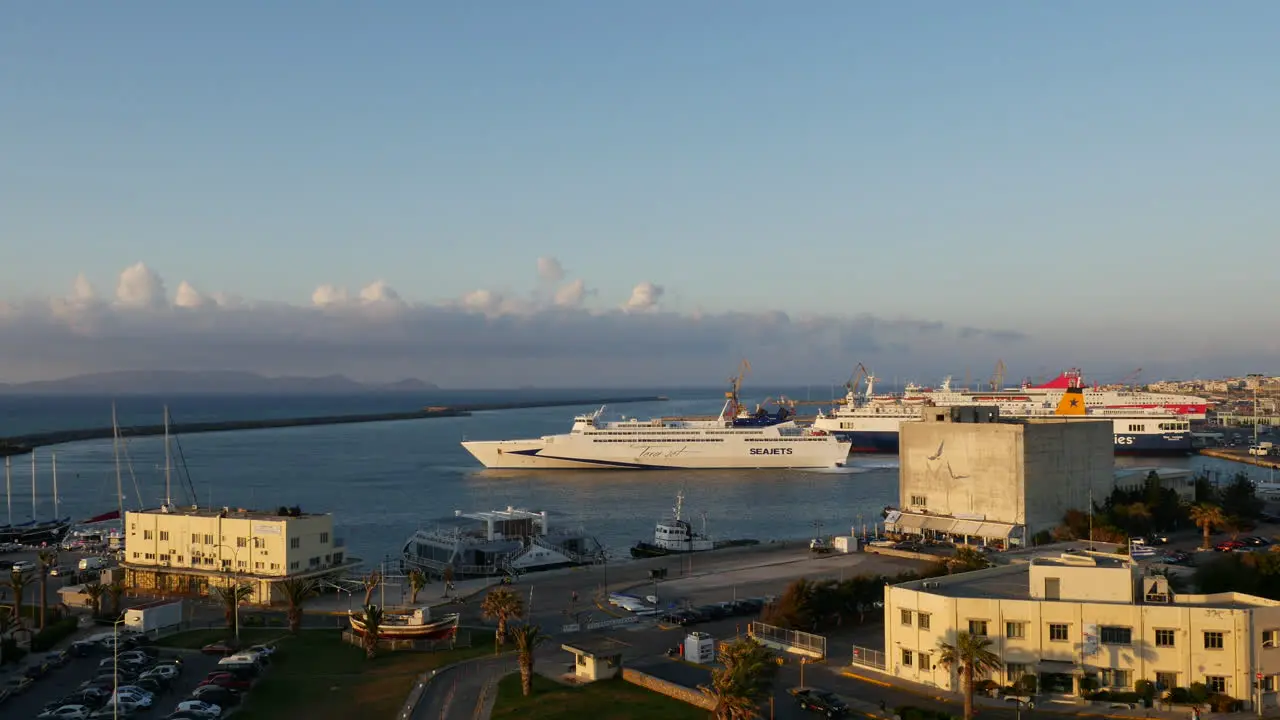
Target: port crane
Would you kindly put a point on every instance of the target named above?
(735, 384)
(997, 378)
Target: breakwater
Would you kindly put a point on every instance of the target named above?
(22, 444)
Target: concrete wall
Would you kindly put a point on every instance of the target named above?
(1084, 582)
(1019, 473)
(672, 690)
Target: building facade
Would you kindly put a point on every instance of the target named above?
(1086, 615)
(190, 550)
(966, 474)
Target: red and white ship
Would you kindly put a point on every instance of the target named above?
(1030, 398)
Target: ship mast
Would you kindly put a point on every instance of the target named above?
(33, 485)
(115, 447)
(8, 487)
(55, 486)
(168, 465)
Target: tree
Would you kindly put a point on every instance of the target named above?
(231, 596)
(46, 560)
(1207, 516)
(738, 688)
(527, 638)
(297, 591)
(970, 656)
(116, 592)
(371, 583)
(966, 559)
(502, 605)
(18, 582)
(417, 581)
(447, 576)
(95, 590)
(372, 618)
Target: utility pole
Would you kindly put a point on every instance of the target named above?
(1257, 380)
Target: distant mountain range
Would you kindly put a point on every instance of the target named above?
(177, 382)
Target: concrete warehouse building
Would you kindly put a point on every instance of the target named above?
(969, 475)
(1086, 615)
(189, 550)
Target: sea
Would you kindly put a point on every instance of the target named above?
(384, 480)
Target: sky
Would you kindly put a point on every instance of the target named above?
(569, 193)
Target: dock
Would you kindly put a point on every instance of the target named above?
(23, 444)
(1242, 456)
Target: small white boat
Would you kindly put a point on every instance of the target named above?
(413, 623)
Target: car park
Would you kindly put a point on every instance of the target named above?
(819, 701)
(68, 712)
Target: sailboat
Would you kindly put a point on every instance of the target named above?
(34, 532)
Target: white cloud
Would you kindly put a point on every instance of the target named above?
(550, 269)
(644, 297)
(188, 297)
(82, 290)
(141, 287)
(490, 338)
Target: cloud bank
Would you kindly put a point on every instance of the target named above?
(562, 334)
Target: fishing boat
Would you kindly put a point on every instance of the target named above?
(674, 536)
(409, 623)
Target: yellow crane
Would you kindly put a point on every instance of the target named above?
(997, 379)
(735, 384)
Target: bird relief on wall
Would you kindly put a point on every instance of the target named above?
(940, 469)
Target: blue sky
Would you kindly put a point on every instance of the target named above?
(995, 164)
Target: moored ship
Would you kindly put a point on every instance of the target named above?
(674, 536)
(413, 623)
(499, 542)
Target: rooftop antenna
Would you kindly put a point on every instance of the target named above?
(168, 464)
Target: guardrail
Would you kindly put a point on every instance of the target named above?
(867, 657)
(793, 641)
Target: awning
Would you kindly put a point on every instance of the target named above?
(968, 528)
(996, 530)
(913, 523)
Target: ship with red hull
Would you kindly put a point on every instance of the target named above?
(413, 623)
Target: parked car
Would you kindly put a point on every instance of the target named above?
(226, 680)
(67, 712)
(223, 647)
(200, 708)
(819, 701)
(18, 684)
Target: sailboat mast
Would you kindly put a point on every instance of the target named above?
(168, 466)
(115, 447)
(55, 486)
(8, 486)
(33, 484)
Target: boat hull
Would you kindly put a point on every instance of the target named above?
(1124, 443)
(649, 550)
(438, 630)
(582, 454)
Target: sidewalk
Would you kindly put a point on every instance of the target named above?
(396, 593)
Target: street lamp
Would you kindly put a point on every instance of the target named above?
(115, 668)
(1257, 380)
(235, 589)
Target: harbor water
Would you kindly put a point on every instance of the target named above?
(384, 480)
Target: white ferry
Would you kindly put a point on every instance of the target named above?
(734, 439)
(499, 542)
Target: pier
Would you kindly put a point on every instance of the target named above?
(22, 444)
(1241, 456)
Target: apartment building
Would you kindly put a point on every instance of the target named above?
(189, 550)
(1086, 615)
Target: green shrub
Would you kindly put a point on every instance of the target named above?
(53, 634)
(10, 650)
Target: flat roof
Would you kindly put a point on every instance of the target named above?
(595, 647)
(230, 512)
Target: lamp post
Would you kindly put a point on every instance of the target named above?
(115, 668)
(235, 589)
(1257, 380)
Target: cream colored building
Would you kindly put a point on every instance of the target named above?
(968, 474)
(1085, 615)
(187, 550)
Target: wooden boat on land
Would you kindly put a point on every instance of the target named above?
(413, 623)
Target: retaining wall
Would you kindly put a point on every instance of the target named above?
(672, 690)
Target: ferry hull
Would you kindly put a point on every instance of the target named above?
(1131, 444)
(542, 455)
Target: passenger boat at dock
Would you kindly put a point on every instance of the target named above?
(675, 536)
(499, 542)
(736, 438)
(412, 623)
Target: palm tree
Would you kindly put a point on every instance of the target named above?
(502, 605)
(231, 596)
(738, 688)
(297, 591)
(447, 577)
(115, 591)
(417, 581)
(527, 638)
(19, 582)
(45, 561)
(372, 623)
(1207, 516)
(371, 582)
(95, 590)
(971, 656)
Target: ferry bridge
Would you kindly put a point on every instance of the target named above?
(1231, 419)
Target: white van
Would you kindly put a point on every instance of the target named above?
(91, 563)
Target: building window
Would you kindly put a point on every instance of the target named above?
(293, 565)
(275, 566)
(324, 538)
(1214, 640)
(164, 558)
(314, 562)
(242, 563)
(978, 627)
(1216, 683)
(242, 542)
(1111, 635)
(1013, 672)
(1015, 630)
(164, 535)
(337, 560)
(1270, 638)
(1165, 638)
(149, 556)
(926, 662)
(179, 558)
(295, 543)
(208, 539)
(1166, 681)
(1117, 678)
(147, 534)
(922, 619)
(259, 543)
(906, 617)
(920, 500)
(907, 657)
(1058, 632)
(136, 556)
(226, 564)
(195, 538)
(1268, 683)
(257, 566)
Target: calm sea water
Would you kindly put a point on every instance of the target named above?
(384, 480)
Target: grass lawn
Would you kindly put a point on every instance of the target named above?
(196, 639)
(614, 699)
(317, 676)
